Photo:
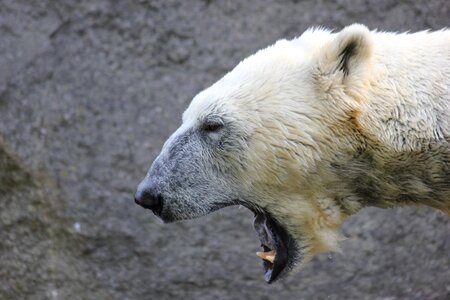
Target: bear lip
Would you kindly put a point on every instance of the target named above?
(273, 237)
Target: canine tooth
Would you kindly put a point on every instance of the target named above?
(269, 256)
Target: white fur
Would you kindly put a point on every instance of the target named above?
(305, 106)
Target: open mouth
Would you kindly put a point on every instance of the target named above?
(278, 248)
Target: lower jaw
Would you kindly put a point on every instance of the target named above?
(272, 233)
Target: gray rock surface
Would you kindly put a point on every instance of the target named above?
(89, 90)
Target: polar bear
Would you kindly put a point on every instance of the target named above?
(307, 132)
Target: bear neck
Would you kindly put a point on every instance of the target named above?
(373, 175)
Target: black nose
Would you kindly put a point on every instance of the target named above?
(150, 199)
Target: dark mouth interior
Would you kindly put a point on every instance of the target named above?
(273, 237)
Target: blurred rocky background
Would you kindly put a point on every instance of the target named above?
(89, 91)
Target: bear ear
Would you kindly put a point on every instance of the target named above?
(349, 52)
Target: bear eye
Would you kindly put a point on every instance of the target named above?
(212, 125)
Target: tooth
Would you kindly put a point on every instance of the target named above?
(269, 256)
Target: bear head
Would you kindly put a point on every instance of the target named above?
(261, 137)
